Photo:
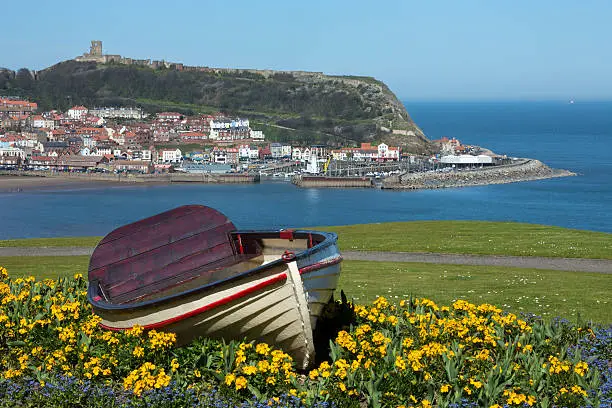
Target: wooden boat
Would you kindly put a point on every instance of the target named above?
(189, 271)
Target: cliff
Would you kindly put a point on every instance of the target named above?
(296, 106)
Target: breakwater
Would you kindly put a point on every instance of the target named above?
(225, 178)
(522, 170)
(338, 182)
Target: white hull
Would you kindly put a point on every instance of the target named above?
(269, 308)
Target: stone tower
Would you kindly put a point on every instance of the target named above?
(96, 48)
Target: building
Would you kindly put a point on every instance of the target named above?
(11, 156)
(169, 116)
(276, 149)
(137, 166)
(77, 162)
(118, 112)
(16, 106)
(77, 112)
(257, 135)
(193, 137)
(199, 168)
(39, 121)
(170, 156)
(229, 129)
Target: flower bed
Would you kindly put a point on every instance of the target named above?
(414, 353)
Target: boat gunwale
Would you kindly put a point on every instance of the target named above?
(330, 238)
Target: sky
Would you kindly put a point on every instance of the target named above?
(423, 50)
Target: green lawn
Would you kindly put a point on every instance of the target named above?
(89, 242)
(547, 293)
(475, 237)
(460, 237)
(543, 292)
(43, 267)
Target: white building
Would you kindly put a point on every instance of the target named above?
(244, 152)
(228, 124)
(143, 155)
(102, 151)
(41, 122)
(77, 112)
(171, 155)
(276, 150)
(12, 152)
(114, 112)
(257, 134)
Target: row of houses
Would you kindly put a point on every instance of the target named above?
(164, 127)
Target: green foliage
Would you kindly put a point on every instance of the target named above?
(333, 107)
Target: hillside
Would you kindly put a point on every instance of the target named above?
(288, 106)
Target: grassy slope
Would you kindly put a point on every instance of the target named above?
(461, 237)
(548, 293)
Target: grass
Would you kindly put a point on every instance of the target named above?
(459, 237)
(475, 237)
(543, 292)
(43, 267)
(52, 242)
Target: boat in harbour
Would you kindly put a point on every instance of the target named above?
(191, 272)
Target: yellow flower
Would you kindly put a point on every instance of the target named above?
(229, 379)
(445, 388)
(249, 370)
(581, 368)
(138, 351)
(174, 365)
(241, 383)
(262, 348)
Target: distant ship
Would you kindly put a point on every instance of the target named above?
(571, 101)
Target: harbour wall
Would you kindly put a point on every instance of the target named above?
(337, 182)
(523, 170)
(228, 178)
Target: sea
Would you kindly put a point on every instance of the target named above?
(574, 136)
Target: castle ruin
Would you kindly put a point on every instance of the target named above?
(95, 55)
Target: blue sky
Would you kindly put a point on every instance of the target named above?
(424, 50)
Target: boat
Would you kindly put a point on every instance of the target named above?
(191, 272)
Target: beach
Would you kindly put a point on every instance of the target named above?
(15, 184)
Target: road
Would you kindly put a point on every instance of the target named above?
(559, 264)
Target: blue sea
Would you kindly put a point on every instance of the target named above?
(577, 137)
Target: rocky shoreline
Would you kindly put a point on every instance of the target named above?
(522, 170)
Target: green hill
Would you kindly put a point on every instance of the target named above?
(288, 105)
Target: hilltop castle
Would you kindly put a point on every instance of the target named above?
(95, 55)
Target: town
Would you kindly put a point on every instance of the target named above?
(129, 140)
